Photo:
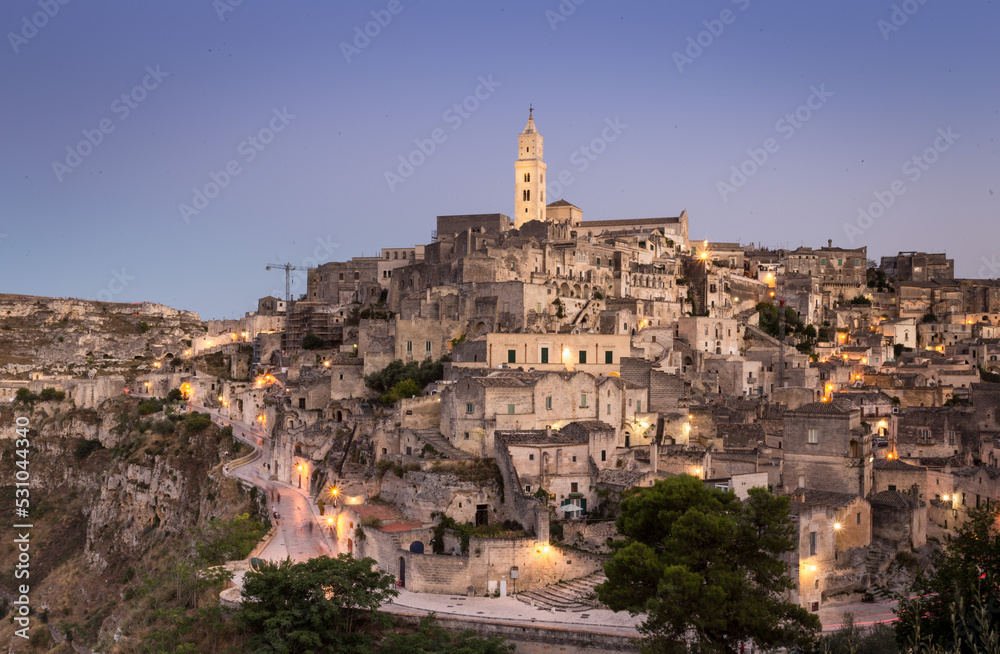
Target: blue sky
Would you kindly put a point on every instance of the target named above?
(309, 118)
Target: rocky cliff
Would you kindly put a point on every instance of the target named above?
(113, 495)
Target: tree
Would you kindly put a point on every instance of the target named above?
(705, 568)
(949, 602)
(312, 342)
(51, 394)
(422, 373)
(404, 388)
(25, 396)
(175, 395)
(317, 605)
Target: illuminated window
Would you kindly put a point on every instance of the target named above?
(813, 435)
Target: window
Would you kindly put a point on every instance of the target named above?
(858, 517)
(604, 455)
(822, 262)
(545, 354)
(812, 543)
(526, 195)
(470, 407)
(892, 487)
(527, 489)
(574, 487)
(813, 435)
(341, 276)
(609, 410)
(511, 356)
(466, 435)
(531, 457)
(840, 262)
(638, 406)
(510, 409)
(527, 177)
(609, 357)
(548, 402)
(574, 458)
(357, 275)
(409, 347)
(583, 356)
(427, 347)
(583, 400)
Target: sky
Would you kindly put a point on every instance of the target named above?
(167, 151)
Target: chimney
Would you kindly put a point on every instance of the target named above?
(548, 432)
(829, 242)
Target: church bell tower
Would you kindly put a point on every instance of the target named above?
(529, 175)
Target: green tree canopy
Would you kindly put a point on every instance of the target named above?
(229, 540)
(422, 373)
(961, 595)
(320, 605)
(705, 568)
(312, 342)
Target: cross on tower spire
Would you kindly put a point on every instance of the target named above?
(531, 110)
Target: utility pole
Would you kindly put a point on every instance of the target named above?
(288, 268)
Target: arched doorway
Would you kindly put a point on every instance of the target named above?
(402, 572)
(417, 547)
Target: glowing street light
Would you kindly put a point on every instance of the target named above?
(837, 526)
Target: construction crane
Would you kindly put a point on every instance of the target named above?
(288, 268)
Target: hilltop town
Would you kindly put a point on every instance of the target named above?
(469, 411)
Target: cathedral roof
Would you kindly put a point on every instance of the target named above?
(530, 127)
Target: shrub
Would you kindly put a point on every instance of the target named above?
(152, 405)
(312, 342)
(25, 396)
(175, 395)
(143, 327)
(195, 422)
(86, 448)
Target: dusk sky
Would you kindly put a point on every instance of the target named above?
(833, 100)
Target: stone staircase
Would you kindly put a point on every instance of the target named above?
(441, 444)
(574, 596)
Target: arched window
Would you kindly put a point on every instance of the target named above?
(527, 177)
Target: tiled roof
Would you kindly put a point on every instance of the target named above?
(539, 437)
(893, 499)
(812, 497)
(894, 464)
(587, 426)
(384, 512)
(621, 223)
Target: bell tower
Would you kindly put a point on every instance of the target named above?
(529, 175)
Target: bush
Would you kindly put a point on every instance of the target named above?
(312, 342)
(25, 396)
(385, 380)
(86, 448)
(51, 395)
(162, 427)
(143, 327)
(175, 395)
(195, 422)
(405, 388)
(147, 407)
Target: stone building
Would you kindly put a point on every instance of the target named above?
(828, 525)
(918, 266)
(826, 449)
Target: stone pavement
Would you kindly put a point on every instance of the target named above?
(509, 610)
